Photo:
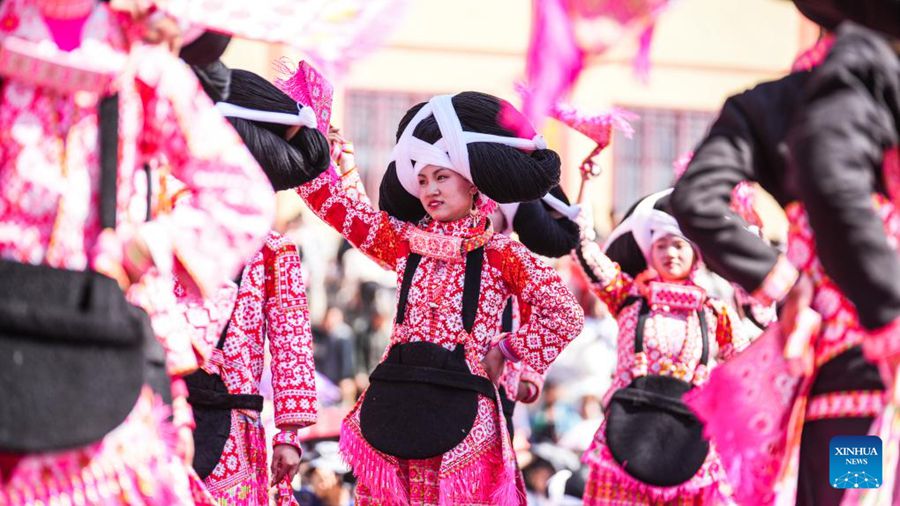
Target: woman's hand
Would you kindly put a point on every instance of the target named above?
(285, 463)
(493, 363)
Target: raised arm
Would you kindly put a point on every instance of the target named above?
(375, 233)
(607, 281)
(701, 200)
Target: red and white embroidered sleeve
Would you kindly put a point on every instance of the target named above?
(374, 232)
(289, 335)
(556, 318)
(222, 221)
(606, 278)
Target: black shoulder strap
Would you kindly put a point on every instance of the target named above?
(471, 286)
(704, 334)
(149, 175)
(644, 313)
(748, 312)
(221, 343)
(631, 299)
(506, 319)
(412, 263)
(109, 159)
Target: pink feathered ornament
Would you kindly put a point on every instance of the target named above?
(597, 127)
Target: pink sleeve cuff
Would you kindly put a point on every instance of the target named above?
(287, 437)
(778, 282)
(882, 343)
(507, 350)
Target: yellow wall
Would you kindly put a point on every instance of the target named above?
(703, 51)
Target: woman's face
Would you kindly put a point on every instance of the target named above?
(445, 195)
(672, 257)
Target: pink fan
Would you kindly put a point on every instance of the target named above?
(597, 127)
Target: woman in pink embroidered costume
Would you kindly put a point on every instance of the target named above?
(658, 308)
(408, 441)
(49, 168)
(271, 305)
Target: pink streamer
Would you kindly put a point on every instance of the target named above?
(556, 55)
(554, 59)
(746, 407)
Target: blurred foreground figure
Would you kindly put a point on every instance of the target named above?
(86, 105)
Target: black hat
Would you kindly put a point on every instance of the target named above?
(481, 137)
(879, 15)
(262, 115)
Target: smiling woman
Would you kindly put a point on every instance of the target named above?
(429, 429)
(670, 335)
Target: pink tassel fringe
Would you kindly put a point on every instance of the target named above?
(372, 469)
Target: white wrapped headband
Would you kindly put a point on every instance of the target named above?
(305, 115)
(646, 224)
(451, 150)
(509, 211)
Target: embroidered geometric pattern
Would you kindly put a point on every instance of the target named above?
(271, 307)
(434, 314)
(676, 297)
(852, 404)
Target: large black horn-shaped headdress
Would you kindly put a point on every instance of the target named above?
(479, 136)
(263, 115)
(545, 226)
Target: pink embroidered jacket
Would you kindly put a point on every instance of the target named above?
(672, 339)
(483, 461)
(49, 171)
(271, 306)
(672, 346)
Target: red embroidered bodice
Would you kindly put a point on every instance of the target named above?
(433, 311)
(672, 337)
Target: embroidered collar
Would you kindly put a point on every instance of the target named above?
(674, 296)
(451, 241)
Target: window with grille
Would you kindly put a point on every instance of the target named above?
(371, 121)
(643, 164)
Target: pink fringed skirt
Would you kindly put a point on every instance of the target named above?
(610, 485)
(135, 464)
